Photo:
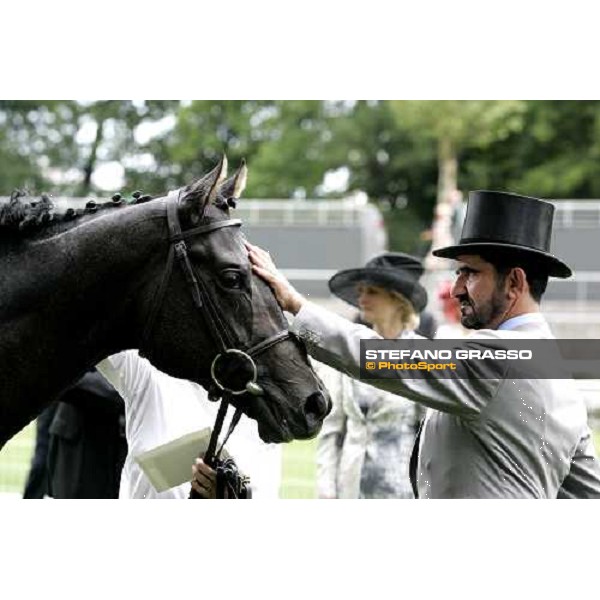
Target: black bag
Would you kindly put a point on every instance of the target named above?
(231, 484)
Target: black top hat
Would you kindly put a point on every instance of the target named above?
(392, 271)
(510, 222)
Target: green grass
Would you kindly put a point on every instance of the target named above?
(15, 458)
(299, 469)
(297, 481)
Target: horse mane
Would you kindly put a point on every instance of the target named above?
(23, 217)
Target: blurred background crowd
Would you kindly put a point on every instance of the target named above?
(331, 185)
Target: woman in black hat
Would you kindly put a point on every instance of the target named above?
(364, 448)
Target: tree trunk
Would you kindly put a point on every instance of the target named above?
(447, 170)
(90, 165)
(447, 197)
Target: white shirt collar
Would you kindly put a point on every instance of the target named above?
(521, 320)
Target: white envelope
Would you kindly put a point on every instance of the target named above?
(170, 465)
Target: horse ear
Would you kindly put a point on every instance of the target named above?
(199, 194)
(235, 185)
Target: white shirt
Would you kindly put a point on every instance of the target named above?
(160, 408)
(523, 319)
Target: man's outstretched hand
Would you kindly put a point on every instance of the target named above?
(288, 297)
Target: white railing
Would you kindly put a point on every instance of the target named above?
(309, 274)
(576, 214)
(580, 280)
(347, 212)
(321, 213)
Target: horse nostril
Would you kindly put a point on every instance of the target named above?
(316, 406)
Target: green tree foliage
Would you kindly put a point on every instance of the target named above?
(282, 142)
(403, 154)
(292, 157)
(57, 145)
(203, 131)
(384, 160)
(554, 154)
(394, 167)
(455, 125)
(33, 137)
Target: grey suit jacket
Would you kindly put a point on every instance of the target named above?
(483, 438)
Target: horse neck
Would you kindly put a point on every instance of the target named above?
(73, 301)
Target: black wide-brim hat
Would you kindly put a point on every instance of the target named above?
(393, 271)
(512, 224)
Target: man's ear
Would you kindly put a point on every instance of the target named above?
(517, 284)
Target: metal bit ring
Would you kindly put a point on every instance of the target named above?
(249, 387)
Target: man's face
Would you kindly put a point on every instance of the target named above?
(483, 303)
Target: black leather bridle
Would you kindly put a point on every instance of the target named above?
(229, 348)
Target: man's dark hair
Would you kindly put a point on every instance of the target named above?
(504, 260)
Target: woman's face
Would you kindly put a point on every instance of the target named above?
(375, 303)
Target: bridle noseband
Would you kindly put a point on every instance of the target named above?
(229, 348)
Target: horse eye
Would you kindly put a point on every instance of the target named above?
(231, 279)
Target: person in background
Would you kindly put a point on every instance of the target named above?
(160, 408)
(427, 325)
(80, 443)
(364, 448)
(87, 445)
(451, 328)
(36, 486)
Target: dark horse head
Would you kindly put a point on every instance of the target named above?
(179, 288)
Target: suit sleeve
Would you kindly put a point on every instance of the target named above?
(583, 479)
(331, 437)
(335, 341)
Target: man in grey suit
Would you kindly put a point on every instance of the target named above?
(485, 438)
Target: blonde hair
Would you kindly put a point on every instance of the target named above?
(406, 312)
